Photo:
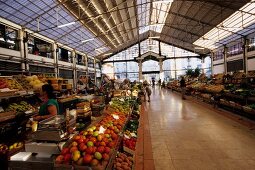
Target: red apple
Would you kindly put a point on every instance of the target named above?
(94, 162)
(111, 144)
(67, 158)
(76, 137)
(93, 139)
(101, 149)
(81, 140)
(65, 151)
(74, 148)
(89, 150)
(102, 143)
(107, 150)
(94, 149)
(106, 157)
(97, 143)
(59, 159)
(82, 147)
(87, 158)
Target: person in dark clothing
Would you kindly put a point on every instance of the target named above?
(183, 87)
(153, 82)
(159, 82)
(50, 105)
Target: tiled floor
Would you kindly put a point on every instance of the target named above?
(185, 135)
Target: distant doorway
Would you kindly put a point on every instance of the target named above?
(150, 75)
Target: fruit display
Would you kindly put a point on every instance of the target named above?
(215, 88)
(34, 82)
(3, 149)
(20, 108)
(123, 162)
(121, 105)
(130, 143)
(16, 145)
(93, 147)
(21, 79)
(13, 84)
(3, 83)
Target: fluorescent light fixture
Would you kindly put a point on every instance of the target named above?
(199, 48)
(98, 49)
(87, 40)
(166, 1)
(157, 24)
(107, 54)
(65, 25)
(156, 37)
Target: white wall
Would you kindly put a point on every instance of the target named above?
(218, 69)
(40, 58)
(251, 64)
(8, 52)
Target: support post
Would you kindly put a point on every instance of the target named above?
(22, 50)
(140, 64)
(74, 59)
(245, 58)
(225, 59)
(55, 53)
(161, 74)
(212, 57)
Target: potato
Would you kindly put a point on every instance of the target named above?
(119, 160)
(130, 158)
(125, 167)
(119, 168)
(118, 164)
(124, 164)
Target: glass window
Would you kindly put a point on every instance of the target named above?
(91, 63)
(80, 59)
(39, 47)
(98, 65)
(235, 49)
(218, 55)
(65, 55)
(9, 38)
(251, 44)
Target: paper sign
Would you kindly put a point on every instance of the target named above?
(122, 100)
(110, 103)
(29, 111)
(115, 116)
(101, 130)
(133, 134)
(126, 136)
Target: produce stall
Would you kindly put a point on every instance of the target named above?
(103, 141)
(233, 92)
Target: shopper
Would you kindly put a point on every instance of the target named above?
(153, 82)
(183, 87)
(159, 82)
(50, 105)
(147, 90)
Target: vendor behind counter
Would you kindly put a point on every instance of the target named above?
(50, 105)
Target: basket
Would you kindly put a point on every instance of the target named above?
(97, 110)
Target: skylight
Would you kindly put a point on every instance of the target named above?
(229, 28)
(155, 20)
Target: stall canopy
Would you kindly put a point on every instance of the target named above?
(103, 28)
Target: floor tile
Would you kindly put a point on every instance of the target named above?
(163, 164)
(189, 135)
